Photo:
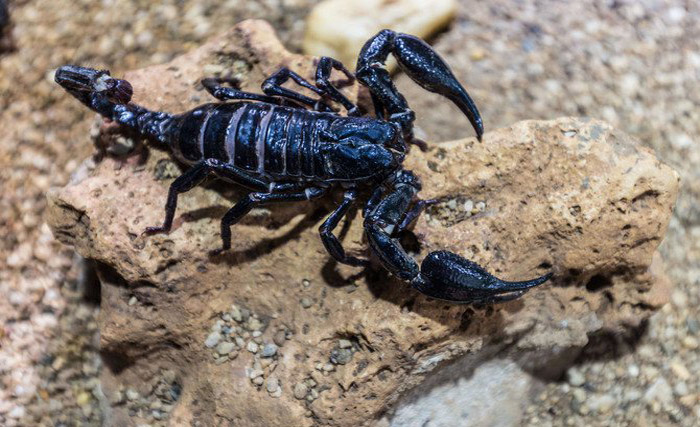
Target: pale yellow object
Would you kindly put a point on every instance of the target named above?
(339, 28)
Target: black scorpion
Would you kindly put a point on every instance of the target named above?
(285, 146)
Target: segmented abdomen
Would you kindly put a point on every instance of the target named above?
(264, 139)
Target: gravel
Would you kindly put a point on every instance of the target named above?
(635, 64)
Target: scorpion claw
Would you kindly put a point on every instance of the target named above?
(448, 276)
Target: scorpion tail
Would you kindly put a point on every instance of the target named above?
(111, 98)
(448, 276)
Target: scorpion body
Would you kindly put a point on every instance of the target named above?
(275, 143)
(286, 146)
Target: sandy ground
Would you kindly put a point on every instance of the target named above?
(633, 63)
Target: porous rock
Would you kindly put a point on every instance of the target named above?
(339, 28)
(572, 196)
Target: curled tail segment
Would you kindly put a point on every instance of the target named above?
(111, 98)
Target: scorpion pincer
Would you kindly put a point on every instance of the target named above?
(285, 146)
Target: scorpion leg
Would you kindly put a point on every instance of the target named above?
(423, 65)
(223, 93)
(194, 176)
(415, 211)
(330, 241)
(253, 200)
(442, 275)
(323, 74)
(272, 86)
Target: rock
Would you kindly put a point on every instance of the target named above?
(680, 370)
(212, 340)
(272, 385)
(572, 196)
(341, 356)
(602, 404)
(339, 28)
(659, 391)
(300, 391)
(269, 350)
(225, 348)
(252, 347)
(690, 343)
(575, 377)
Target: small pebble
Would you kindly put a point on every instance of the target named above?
(16, 412)
(272, 385)
(681, 389)
(313, 395)
(258, 380)
(300, 391)
(279, 338)
(133, 300)
(342, 343)
(252, 347)
(575, 377)
(306, 302)
(225, 348)
(236, 314)
(659, 391)
(690, 343)
(602, 404)
(269, 350)
(83, 398)
(341, 356)
(132, 394)
(680, 370)
(212, 340)
(254, 324)
(633, 370)
(469, 206)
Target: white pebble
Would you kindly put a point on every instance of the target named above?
(213, 339)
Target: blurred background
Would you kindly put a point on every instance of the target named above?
(635, 64)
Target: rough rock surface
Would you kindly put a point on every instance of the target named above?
(571, 195)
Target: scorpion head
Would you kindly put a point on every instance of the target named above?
(86, 83)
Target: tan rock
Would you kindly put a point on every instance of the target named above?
(339, 28)
(572, 196)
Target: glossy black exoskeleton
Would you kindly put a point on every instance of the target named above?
(285, 146)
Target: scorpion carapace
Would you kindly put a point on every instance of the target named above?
(285, 146)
